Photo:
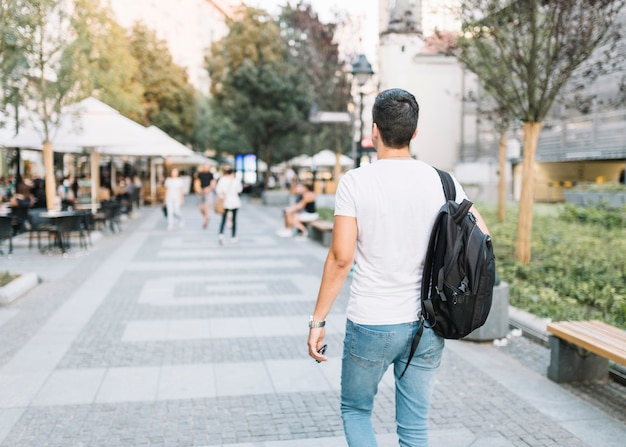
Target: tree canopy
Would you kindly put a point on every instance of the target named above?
(524, 51)
(169, 101)
(254, 86)
(111, 71)
(267, 73)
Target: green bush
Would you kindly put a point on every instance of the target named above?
(578, 266)
(603, 216)
(326, 213)
(6, 278)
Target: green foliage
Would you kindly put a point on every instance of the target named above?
(266, 74)
(313, 51)
(254, 85)
(52, 80)
(578, 270)
(326, 214)
(169, 101)
(110, 70)
(6, 278)
(611, 218)
(524, 52)
(16, 38)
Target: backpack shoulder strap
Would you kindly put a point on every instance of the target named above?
(448, 184)
(450, 192)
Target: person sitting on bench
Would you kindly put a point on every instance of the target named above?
(299, 213)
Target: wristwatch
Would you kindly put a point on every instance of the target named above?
(314, 324)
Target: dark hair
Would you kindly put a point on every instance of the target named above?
(395, 112)
(228, 170)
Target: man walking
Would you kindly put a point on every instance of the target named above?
(203, 186)
(384, 213)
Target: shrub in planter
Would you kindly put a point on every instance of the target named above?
(578, 266)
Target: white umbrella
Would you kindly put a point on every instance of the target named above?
(190, 160)
(300, 161)
(328, 159)
(90, 124)
(168, 146)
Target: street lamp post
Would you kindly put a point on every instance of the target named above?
(362, 71)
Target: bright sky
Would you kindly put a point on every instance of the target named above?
(363, 12)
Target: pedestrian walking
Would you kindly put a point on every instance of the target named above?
(228, 188)
(174, 199)
(384, 213)
(204, 184)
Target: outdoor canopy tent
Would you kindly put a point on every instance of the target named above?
(323, 159)
(90, 126)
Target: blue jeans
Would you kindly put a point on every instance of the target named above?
(367, 353)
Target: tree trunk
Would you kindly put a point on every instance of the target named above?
(50, 180)
(502, 179)
(337, 168)
(525, 220)
(95, 179)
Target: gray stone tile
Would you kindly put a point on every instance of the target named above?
(70, 387)
(297, 376)
(129, 385)
(238, 379)
(186, 382)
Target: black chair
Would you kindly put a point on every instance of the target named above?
(110, 213)
(6, 232)
(38, 225)
(87, 224)
(20, 217)
(62, 228)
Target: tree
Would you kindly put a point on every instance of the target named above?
(216, 130)
(523, 52)
(254, 85)
(169, 101)
(315, 54)
(16, 39)
(54, 77)
(111, 71)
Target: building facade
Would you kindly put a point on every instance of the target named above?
(448, 131)
(576, 145)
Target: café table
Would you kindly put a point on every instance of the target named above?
(61, 223)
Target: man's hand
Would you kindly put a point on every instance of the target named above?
(316, 341)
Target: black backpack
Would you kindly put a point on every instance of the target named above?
(459, 272)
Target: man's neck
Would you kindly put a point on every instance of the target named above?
(387, 153)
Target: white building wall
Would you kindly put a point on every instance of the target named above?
(436, 82)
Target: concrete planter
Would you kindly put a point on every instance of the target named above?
(614, 199)
(276, 198)
(18, 287)
(497, 324)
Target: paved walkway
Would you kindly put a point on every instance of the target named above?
(157, 338)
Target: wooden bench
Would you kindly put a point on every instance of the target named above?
(581, 350)
(321, 231)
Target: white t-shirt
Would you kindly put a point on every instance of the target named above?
(174, 188)
(229, 188)
(395, 203)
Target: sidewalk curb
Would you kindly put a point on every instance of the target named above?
(18, 287)
(532, 326)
